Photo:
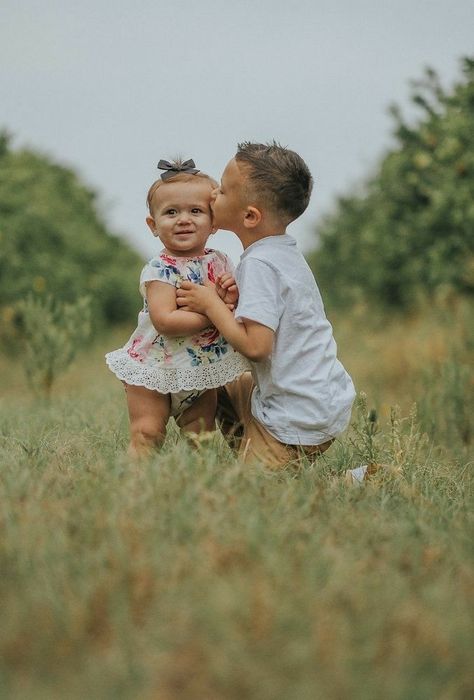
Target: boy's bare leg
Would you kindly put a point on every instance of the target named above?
(201, 415)
(149, 412)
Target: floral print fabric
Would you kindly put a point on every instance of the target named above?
(203, 360)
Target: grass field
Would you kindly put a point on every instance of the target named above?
(195, 578)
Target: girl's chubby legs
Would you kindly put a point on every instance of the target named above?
(149, 412)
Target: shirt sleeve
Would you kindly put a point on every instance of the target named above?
(157, 270)
(260, 297)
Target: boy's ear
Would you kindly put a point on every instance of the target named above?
(151, 225)
(253, 217)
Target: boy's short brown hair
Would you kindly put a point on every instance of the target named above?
(277, 177)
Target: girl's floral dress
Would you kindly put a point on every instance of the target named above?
(169, 365)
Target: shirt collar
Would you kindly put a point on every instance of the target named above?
(281, 239)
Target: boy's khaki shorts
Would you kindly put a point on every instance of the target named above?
(244, 433)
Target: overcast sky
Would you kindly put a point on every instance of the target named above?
(111, 86)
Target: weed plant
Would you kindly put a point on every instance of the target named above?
(53, 332)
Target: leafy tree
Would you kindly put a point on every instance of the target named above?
(409, 233)
(54, 242)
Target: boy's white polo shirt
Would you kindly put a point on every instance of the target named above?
(303, 394)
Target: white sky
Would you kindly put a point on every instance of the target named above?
(110, 87)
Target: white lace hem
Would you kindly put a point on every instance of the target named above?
(172, 380)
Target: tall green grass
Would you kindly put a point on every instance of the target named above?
(194, 577)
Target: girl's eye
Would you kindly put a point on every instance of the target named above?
(196, 210)
(171, 211)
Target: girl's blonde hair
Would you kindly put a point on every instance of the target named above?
(182, 176)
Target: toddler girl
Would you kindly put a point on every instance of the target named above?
(175, 359)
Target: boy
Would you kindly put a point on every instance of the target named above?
(298, 396)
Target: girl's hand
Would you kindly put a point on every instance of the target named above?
(195, 297)
(226, 288)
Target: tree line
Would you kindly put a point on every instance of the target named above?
(54, 242)
(407, 234)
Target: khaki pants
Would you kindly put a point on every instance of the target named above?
(245, 434)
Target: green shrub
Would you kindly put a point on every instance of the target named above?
(54, 241)
(408, 234)
(53, 333)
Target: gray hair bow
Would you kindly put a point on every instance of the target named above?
(188, 166)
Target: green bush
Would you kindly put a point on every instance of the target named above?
(408, 235)
(53, 333)
(53, 241)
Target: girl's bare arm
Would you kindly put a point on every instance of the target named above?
(165, 315)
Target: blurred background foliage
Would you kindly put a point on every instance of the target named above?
(406, 237)
(53, 242)
(407, 234)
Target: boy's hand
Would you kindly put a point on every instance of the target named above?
(226, 288)
(252, 339)
(195, 297)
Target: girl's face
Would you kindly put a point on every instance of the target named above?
(181, 217)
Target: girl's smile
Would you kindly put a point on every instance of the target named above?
(181, 217)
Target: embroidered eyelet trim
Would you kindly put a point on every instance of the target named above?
(176, 379)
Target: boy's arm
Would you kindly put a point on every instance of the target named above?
(165, 315)
(250, 338)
